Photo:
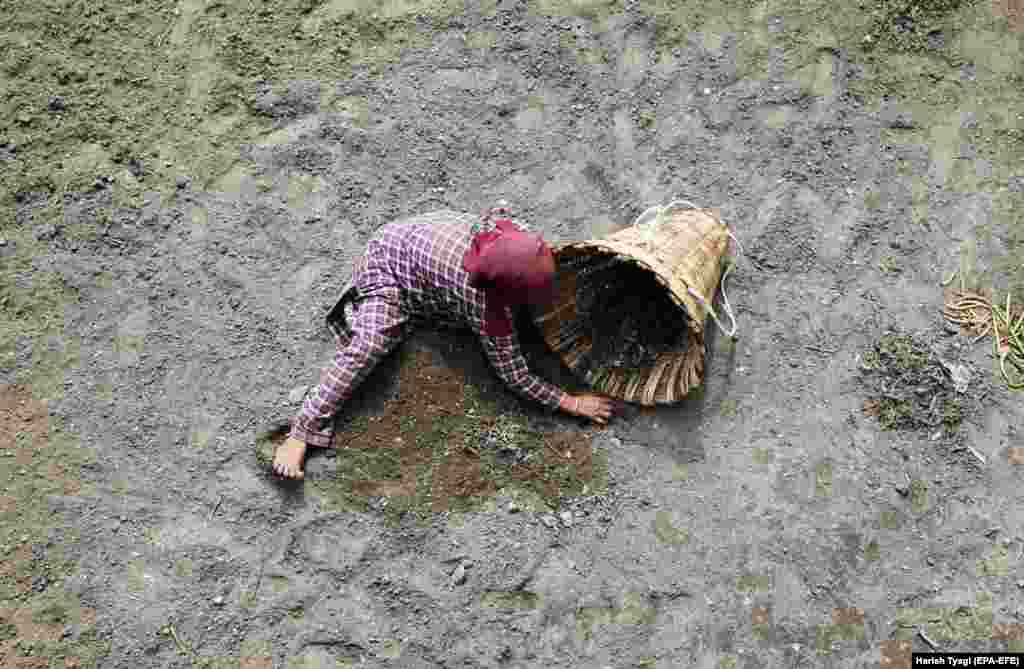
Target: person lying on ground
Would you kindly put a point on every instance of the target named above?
(443, 266)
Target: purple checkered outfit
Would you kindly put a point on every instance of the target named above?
(410, 274)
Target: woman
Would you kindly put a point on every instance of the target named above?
(442, 266)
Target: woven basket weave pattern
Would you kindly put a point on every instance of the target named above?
(683, 250)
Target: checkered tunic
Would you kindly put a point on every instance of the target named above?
(411, 274)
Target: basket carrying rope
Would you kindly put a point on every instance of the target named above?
(659, 217)
(670, 261)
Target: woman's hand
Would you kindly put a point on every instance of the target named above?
(589, 405)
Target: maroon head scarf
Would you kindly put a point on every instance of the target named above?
(503, 263)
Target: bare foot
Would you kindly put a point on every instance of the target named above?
(289, 459)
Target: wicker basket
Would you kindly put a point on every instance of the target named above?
(683, 250)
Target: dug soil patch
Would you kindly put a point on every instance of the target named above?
(36, 465)
(439, 445)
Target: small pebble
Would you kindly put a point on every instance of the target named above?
(135, 167)
(707, 91)
(48, 231)
(566, 517)
(218, 601)
(459, 575)
(3, 242)
(181, 183)
(549, 520)
(297, 394)
(513, 507)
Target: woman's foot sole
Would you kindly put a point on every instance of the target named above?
(289, 458)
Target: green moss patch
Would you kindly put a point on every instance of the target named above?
(444, 444)
(674, 22)
(634, 611)
(961, 623)
(909, 388)
(522, 600)
(911, 25)
(754, 583)
(147, 91)
(43, 457)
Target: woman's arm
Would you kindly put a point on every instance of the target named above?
(509, 363)
(378, 327)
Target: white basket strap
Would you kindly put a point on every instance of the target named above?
(661, 210)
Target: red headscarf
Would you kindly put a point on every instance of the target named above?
(502, 262)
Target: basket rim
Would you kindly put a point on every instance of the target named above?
(629, 242)
(682, 374)
(694, 311)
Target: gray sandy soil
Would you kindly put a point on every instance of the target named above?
(767, 521)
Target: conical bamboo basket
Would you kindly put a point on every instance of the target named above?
(684, 251)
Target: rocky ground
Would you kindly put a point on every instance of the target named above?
(185, 187)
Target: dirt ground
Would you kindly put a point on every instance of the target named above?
(184, 188)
